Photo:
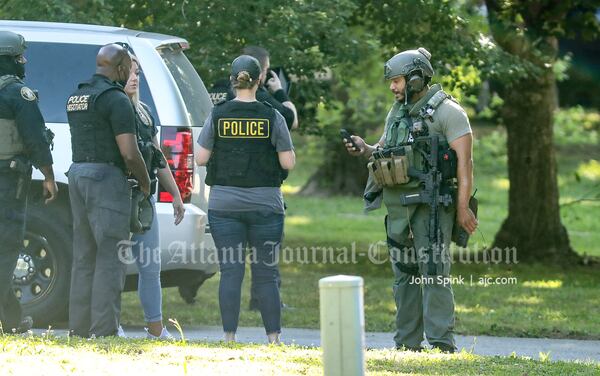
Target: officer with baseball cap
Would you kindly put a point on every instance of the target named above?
(248, 150)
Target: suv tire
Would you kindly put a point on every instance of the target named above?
(43, 274)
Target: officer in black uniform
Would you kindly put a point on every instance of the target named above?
(24, 141)
(270, 89)
(103, 141)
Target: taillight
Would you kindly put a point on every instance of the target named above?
(177, 146)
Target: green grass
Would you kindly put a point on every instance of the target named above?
(48, 355)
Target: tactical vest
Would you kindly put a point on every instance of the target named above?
(144, 124)
(11, 143)
(221, 91)
(408, 121)
(243, 155)
(92, 138)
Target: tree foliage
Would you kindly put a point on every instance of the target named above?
(305, 37)
(79, 11)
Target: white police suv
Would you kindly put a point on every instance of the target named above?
(60, 56)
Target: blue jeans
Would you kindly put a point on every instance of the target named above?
(146, 252)
(233, 232)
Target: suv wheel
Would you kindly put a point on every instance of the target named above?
(42, 277)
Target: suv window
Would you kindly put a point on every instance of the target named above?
(55, 69)
(193, 91)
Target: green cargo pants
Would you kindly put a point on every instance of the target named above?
(425, 306)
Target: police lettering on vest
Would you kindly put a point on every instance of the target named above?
(243, 154)
(78, 103)
(220, 92)
(91, 133)
(244, 128)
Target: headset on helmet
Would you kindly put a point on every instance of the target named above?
(412, 64)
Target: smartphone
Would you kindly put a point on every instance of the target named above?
(346, 135)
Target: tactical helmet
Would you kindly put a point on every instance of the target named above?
(246, 63)
(142, 212)
(409, 61)
(11, 44)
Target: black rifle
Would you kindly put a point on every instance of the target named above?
(389, 152)
(431, 180)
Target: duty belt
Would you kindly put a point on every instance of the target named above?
(94, 160)
(121, 166)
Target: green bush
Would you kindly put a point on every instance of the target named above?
(576, 125)
(490, 150)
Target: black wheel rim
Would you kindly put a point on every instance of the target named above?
(36, 270)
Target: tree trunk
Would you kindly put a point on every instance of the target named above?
(533, 225)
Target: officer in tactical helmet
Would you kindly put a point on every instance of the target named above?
(103, 141)
(424, 305)
(247, 149)
(24, 141)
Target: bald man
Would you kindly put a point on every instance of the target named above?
(105, 151)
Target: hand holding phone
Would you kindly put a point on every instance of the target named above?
(347, 138)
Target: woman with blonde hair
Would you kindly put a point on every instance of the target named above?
(146, 246)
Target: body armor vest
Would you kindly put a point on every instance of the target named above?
(243, 155)
(410, 121)
(11, 143)
(92, 139)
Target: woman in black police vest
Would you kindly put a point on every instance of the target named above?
(248, 150)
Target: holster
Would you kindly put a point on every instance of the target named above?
(22, 166)
(142, 212)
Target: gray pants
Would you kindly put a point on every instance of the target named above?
(101, 204)
(422, 306)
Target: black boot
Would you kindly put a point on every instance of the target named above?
(444, 347)
(24, 326)
(409, 348)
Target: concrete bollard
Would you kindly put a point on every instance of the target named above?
(342, 325)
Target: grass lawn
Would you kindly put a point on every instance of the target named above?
(560, 302)
(44, 356)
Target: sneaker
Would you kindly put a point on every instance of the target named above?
(121, 332)
(229, 337)
(164, 335)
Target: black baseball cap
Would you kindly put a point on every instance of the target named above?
(246, 63)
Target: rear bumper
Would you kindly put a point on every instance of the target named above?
(187, 245)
